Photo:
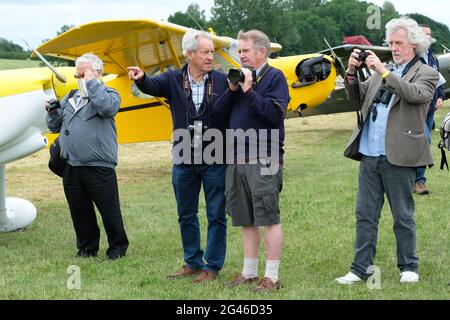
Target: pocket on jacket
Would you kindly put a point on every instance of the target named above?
(413, 133)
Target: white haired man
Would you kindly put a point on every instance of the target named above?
(390, 144)
(192, 91)
(88, 141)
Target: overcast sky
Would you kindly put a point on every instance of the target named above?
(35, 20)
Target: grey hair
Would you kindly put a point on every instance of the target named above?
(92, 59)
(190, 43)
(260, 40)
(415, 34)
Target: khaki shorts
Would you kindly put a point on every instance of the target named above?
(252, 198)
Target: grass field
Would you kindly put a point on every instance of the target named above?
(317, 205)
(6, 64)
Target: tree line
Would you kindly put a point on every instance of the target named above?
(298, 25)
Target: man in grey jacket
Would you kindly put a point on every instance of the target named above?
(88, 142)
(390, 144)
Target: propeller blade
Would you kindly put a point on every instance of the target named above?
(59, 76)
(337, 61)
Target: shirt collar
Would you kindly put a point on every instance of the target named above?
(260, 68)
(401, 67)
(193, 81)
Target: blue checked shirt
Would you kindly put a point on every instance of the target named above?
(373, 136)
(198, 90)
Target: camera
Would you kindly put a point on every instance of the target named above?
(196, 131)
(52, 105)
(236, 75)
(363, 56)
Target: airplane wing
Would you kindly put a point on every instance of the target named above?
(152, 45)
(344, 51)
(149, 44)
(122, 43)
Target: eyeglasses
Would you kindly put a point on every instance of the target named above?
(81, 76)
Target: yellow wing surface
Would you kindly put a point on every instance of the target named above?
(152, 45)
(123, 43)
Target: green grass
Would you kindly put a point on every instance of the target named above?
(6, 64)
(317, 205)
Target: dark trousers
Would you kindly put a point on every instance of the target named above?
(376, 178)
(85, 186)
(187, 181)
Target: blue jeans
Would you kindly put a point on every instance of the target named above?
(187, 181)
(420, 171)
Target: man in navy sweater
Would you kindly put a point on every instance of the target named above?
(256, 110)
(191, 92)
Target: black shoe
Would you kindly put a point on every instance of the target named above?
(84, 253)
(115, 255)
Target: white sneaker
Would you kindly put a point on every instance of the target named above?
(349, 278)
(409, 277)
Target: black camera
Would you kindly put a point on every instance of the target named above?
(236, 75)
(196, 131)
(53, 105)
(363, 56)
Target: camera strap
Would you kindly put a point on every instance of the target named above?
(208, 93)
(262, 73)
(410, 65)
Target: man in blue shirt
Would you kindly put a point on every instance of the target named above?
(430, 59)
(390, 145)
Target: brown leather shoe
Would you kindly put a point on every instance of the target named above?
(184, 272)
(266, 285)
(421, 188)
(240, 279)
(205, 275)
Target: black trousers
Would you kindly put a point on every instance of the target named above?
(85, 186)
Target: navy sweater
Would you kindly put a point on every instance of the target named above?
(263, 107)
(169, 85)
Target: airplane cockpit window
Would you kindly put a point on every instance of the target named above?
(220, 64)
(155, 71)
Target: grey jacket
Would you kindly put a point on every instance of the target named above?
(88, 137)
(406, 142)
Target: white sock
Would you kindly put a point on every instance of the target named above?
(272, 269)
(250, 268)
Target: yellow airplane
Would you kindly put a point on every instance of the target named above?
(155, 46)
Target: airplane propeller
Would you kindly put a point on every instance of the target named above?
(337, 61)
(59, 76)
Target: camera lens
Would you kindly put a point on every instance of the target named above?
(235, 76)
